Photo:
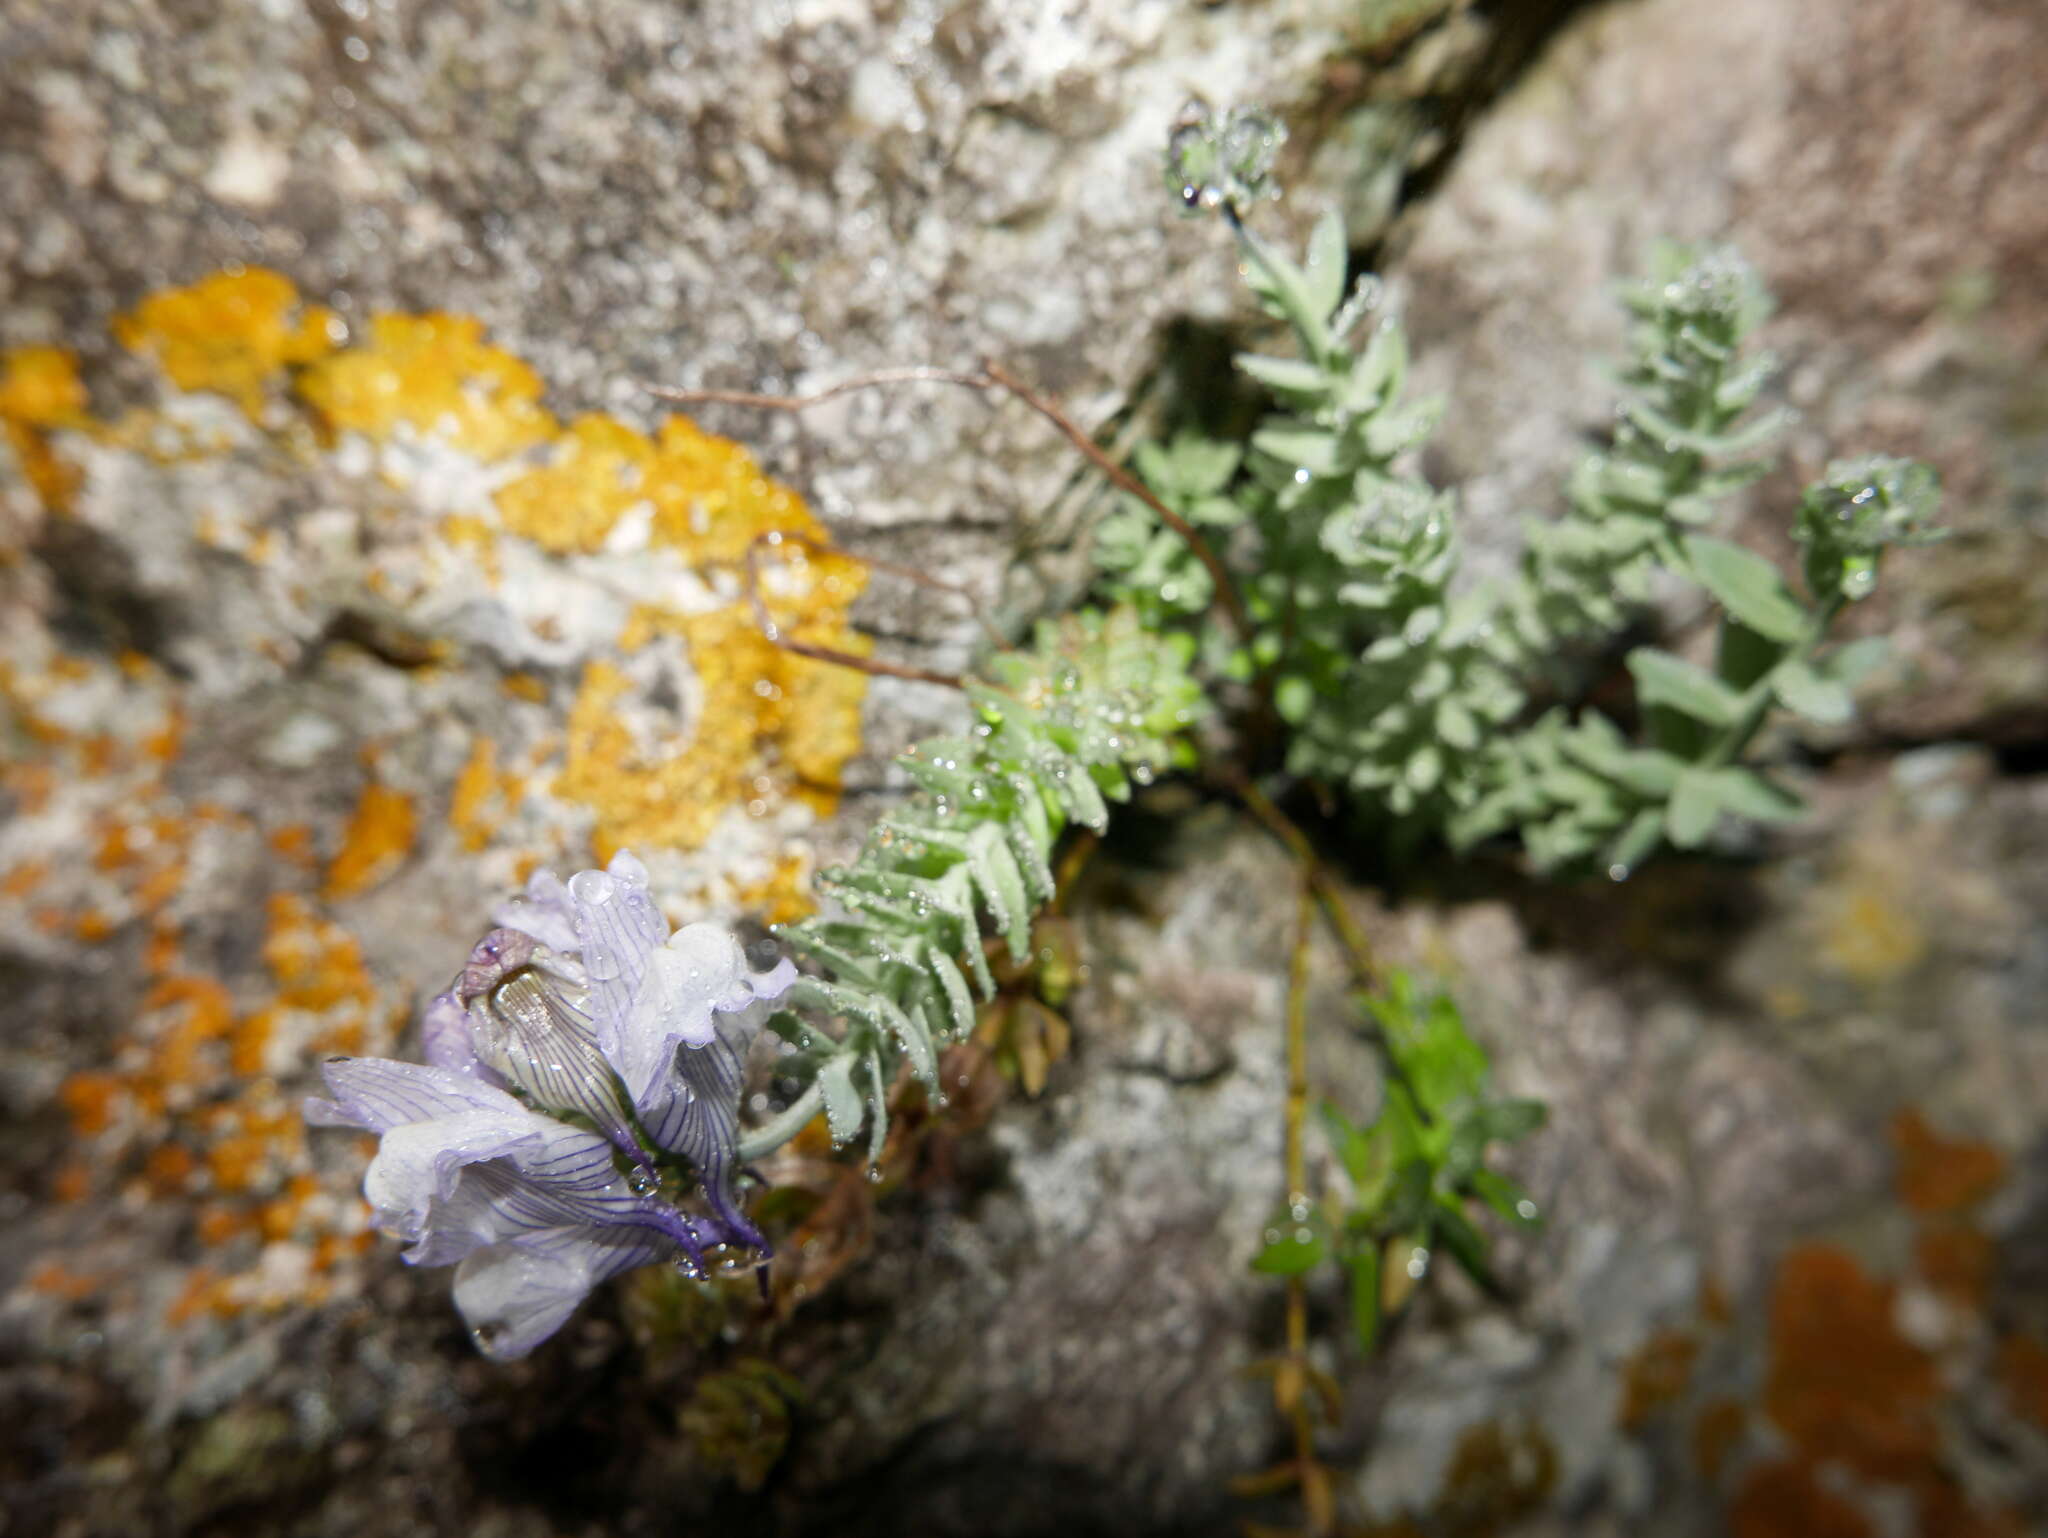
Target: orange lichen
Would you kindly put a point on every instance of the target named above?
(1785, 1500)
(54, 1280)
(1955, 1260)
(1945, 1512)
(1844, 1384)
(89, 1099)
(435, 374)
(524, 686)
(294, 843)
(168, 1169)
(1716, 1431)
(1941, 1175)
(482, 796)
(316, 962)
(2023, 1372)
(24, 878)
(71, 1183)
(1655, 1376)
(230, 334)
(378, 838)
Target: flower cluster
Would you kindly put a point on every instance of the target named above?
(585, 1058)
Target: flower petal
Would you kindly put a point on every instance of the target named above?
(617, 929)
(515, 1295)
(379, 1093)
(444, 1034)
(544, 911)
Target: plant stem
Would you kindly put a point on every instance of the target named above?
(1313, 1489)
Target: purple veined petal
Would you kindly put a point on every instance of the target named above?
(444, 1033)
(706, 1132)
(618, 928)
(525, 1012)
(572, 1183)
(419, 1165)
(515, 1295)
(379, 1093)
(544, 911)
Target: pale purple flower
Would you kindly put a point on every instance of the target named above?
(582, 1055)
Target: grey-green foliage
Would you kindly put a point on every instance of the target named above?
(1062, 730)
(1389, 683)
(1409, 692)
(1580, 792)
(1679, 440)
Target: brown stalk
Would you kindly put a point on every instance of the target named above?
(815, 650)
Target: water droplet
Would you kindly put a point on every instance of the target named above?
(1525, 1210)
(1301, 476)
(874, 1175)
(1418, 1262)
(1617, 872)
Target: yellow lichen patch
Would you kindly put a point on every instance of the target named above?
(596, 470)
(40, 387)
(435, 374)
(483, 796)
(1867, 929)
(230, 333)
(767, 727)
(379, 836)
(39, 391)
(785, 895)
(711, 500)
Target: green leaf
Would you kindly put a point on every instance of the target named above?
(1750, 795)
(1805, 690)
(1662, 679)
(1288, 375)
(1695, 804)
(1365, 1295)
(1467, 1245)
(1291, 1254)
(1328, 257)
(1505, 1121)
(1850, 663)
(1294, 697)
(843, 1109)
(1305, 448)
(959, 1004)
(1504, 1196)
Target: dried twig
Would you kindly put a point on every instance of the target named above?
(832, 654)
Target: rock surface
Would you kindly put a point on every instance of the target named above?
(325, 610)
